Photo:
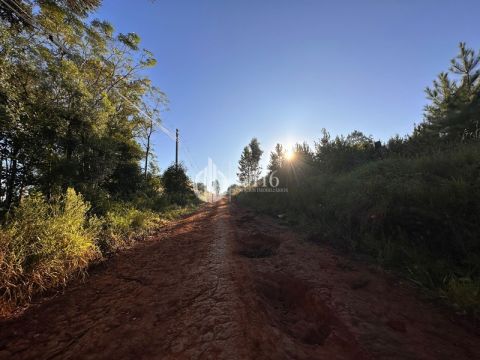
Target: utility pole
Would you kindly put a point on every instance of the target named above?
(176, 150)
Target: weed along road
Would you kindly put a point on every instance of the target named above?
(225, 283)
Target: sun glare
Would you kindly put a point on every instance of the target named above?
(289, 154)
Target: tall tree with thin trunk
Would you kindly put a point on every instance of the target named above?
(249, 164)
(256, 155)
(244, 170)
(277, 158)
(149, 121)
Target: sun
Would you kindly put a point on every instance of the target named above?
(289, 154)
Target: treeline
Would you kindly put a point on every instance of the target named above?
(412, 203)
(77, 170)
(69, 108)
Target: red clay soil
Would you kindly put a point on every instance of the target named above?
(226, 284)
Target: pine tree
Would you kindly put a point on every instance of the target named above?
(277, 158)
(256, 155)
(244, 169)
(465, 65)
(249, 164)
(454, 104)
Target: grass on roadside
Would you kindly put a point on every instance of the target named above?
(44, 244)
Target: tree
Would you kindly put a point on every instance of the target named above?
(176, 184)
(16, 11)
(249, 163)
(244, 170)
(233, 189)
(277, 158)
(454, 104)
(201, 188)
(149, 121)
(216, 186)
(70, 102)
(256, 155)
(465, 65)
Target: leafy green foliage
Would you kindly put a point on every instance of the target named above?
(177, 186)
(74, 117)
(248, 167)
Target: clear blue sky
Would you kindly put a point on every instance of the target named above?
(281, 70)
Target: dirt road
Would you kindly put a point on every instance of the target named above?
(226, 284)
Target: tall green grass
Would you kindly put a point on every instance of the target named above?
(418, 215)
(44, 244)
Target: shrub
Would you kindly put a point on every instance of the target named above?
(123, 223)
(44, 244)
(177, 186)
(464, 293)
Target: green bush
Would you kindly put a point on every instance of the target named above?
(464, 293)
(44, 244)
(124, 223)
(126, 219)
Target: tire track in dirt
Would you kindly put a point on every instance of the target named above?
(227, 284)
(169, 297)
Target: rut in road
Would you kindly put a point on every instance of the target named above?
(227, 284)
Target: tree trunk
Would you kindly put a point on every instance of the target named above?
(2, 179)
(10, 188)
(147, 152)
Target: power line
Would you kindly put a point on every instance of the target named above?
(50, 36)
(190, 157)
(32, 22)
(28, 21)
(21, 9)
(183, 148)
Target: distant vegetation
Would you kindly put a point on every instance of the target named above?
(77, 172)
(412, 203)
